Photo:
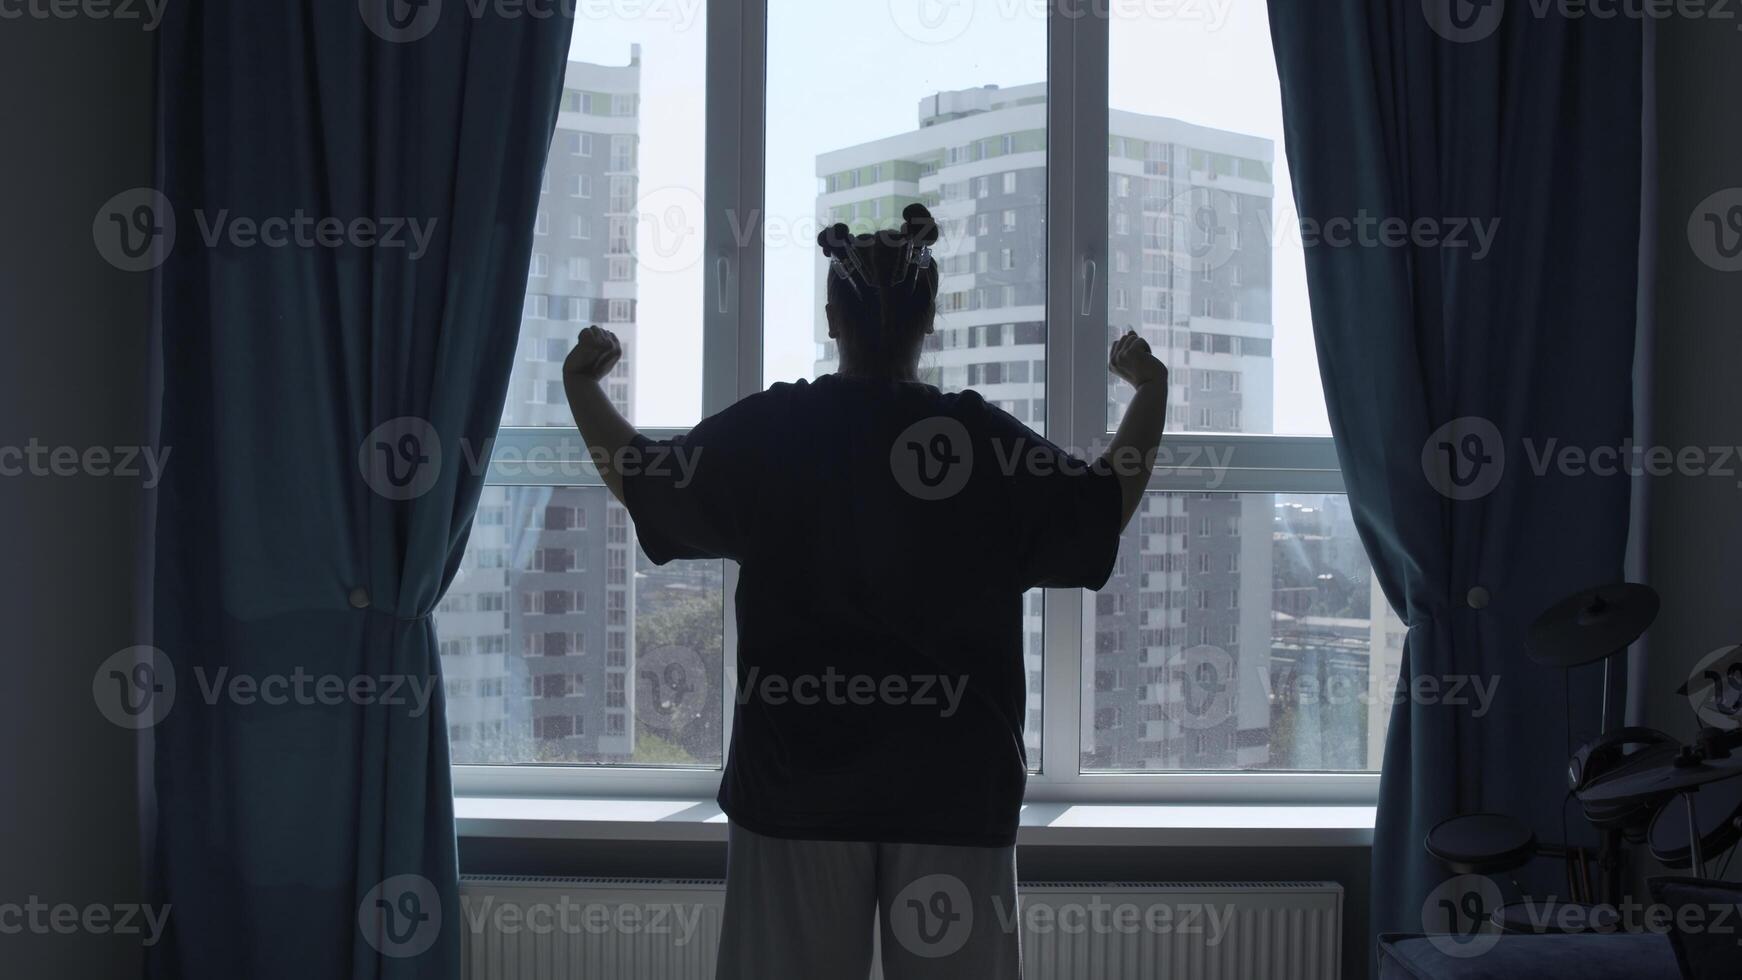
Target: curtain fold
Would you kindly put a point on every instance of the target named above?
(1455, 377)
(353, 188)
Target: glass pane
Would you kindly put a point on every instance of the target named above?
(618, 240)
(1204, 252)
(553, 651)
(1237, 632)
(901, 106)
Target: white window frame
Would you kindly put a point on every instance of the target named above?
(1075, 404)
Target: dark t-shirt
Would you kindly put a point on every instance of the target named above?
(886, 533)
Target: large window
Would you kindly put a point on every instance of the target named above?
(1090, 177)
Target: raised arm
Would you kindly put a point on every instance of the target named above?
(1132, 454)
(606, 431)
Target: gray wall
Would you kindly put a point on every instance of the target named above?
(1694, 550)
(1694, 555)
(75, 111)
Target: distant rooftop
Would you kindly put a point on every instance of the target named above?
(946, 106)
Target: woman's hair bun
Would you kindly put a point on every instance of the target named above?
(917, 224)
(834, 239)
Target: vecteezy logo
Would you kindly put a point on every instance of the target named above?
(932, 21)
(933, 916)
(1206, 675)
(1455, 916)
(932, 458)
(402, 916)
(670, 689)
(1715, 230)
(1714, 688)
(1462, 21)
(402, 458)
(134, 230)
(668, 226)
(1465, 458)
(400, 20)
(135, 688)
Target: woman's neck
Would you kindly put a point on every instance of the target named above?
(848, 369)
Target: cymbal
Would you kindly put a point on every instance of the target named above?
(1689, 769)
(1590, 625)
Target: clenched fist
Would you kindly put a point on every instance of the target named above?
(596, 352)
(1131, 360)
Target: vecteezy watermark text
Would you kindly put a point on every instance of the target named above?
(1466, 458)
(149, 13)
(943, 21)
(1631, 459)
(302, 230)
(402, 459)
(403, 21)
(837, 689)
(565, 916)
(1098, 916)
(136, 688)
(305, 689)
(36, 917)
(933, 459)
(136, 230)
(126, 462)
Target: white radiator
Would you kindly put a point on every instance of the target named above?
(648, 929)
(1268, 930)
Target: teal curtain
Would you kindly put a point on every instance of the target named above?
(1450, 375)
(322, 383)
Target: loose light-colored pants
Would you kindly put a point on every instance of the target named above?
(813, 910)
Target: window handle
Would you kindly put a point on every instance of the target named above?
(1090, 269)
(722, 272)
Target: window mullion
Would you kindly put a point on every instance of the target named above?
(1076, 382)
(746, 227)
(723, 320)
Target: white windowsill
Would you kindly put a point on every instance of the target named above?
(1101, 824)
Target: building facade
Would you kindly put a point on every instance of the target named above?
(537, 632)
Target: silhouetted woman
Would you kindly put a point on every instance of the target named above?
(885, 532)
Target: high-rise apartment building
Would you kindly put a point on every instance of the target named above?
(537, 633)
